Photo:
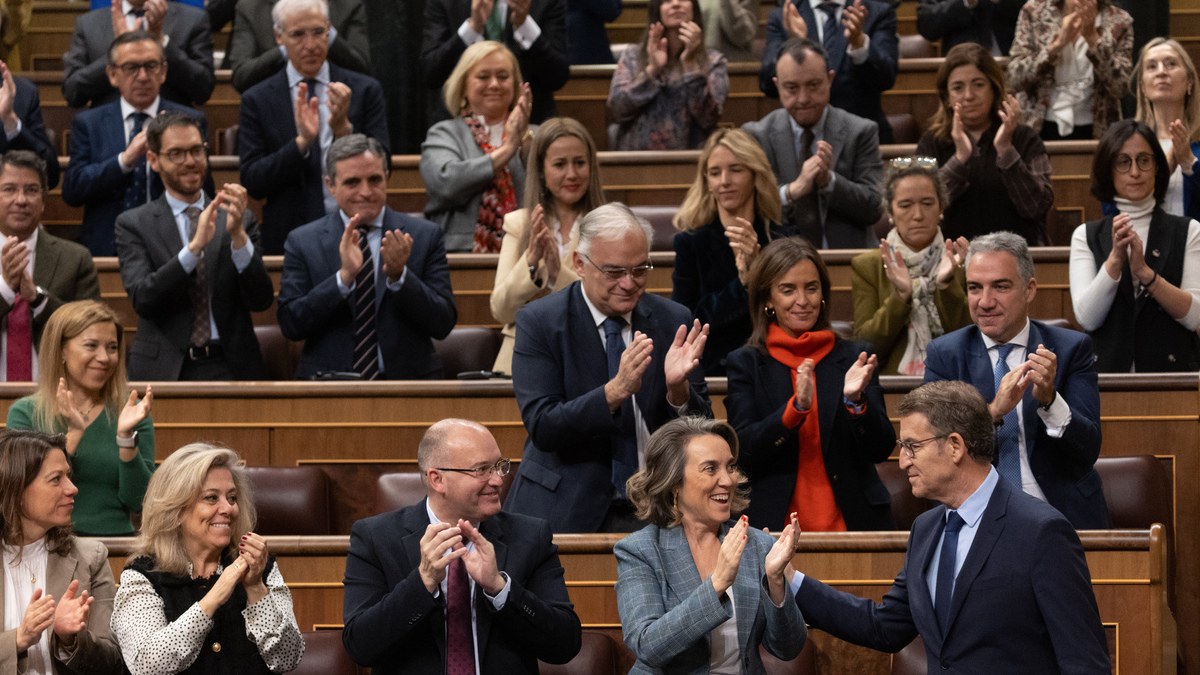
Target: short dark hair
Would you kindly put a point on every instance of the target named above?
(772, 263)
(157, 126)
(354, 145)
(130, 37)
(26, 159)
(798, 49)
(954, 407)
(1106, 159)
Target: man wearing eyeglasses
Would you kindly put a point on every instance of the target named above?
(191, 267)
(597, 368)
(452, 585)
(994, 581)
(108, 172)
(289, 120)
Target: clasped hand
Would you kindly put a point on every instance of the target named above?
(442, 543)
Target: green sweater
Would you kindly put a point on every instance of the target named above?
(109, 489)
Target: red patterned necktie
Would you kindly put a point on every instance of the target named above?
(20, 342)
(460, 645)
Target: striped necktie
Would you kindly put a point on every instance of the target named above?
(366, 341)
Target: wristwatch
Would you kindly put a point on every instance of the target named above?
(130, 442)
(533, 275)
(40, 297)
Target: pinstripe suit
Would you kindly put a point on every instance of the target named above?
(668, 612)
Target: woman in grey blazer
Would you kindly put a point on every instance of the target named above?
(473, 164)
(697, 595)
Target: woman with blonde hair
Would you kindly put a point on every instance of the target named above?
(731, 211)
(1165, 82)
(562, 185)
(200, 592)
(473, 165)
(82, 392)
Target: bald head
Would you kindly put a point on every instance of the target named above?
(448, 452)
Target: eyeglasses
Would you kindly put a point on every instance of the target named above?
(131, 69)
(909, 448)
(298, 35)
(1124, 163)
(500, 468)
(196, 152)
(614, 273)
(905, 162)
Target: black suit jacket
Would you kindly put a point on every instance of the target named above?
(587, 35)
(759, 389)
(394, 625)
(148, 244)
(271, 165)
(311, 308)
(952, 22)
(544, 66)
(189, 52)
(28, 107)
(1022, 603)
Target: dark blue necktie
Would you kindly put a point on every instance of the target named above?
(314, 150)
(135, 186)
(1008, 449)
(366, 340)
(832, 31)
(944, 595)
(624, 459)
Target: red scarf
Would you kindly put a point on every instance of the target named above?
(497, 200)
(812, 499)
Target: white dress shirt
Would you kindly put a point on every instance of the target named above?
(525, 34)
(21, 578)
(858, 56)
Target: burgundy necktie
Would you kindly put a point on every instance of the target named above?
(460, 646)
(20, 342)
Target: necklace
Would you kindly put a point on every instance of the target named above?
(88, 413)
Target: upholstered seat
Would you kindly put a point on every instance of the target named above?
(291, 500)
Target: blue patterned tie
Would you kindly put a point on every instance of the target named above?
(366, 341)
(1008, 451)
(135, 189)
(830, 28)
(624, 460)
(944, 595)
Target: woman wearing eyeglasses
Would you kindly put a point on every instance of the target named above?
(806, 404)
(911, 289)
(1135, 276)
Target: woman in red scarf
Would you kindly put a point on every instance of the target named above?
(806, 404)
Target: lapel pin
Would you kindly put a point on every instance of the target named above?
(1154, 253)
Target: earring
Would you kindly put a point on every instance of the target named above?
(769, 311)
(890, 221)
(822, 304)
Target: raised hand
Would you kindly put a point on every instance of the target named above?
(805, 385)
(954, 258)
(119, 27)
(896, 270)
(1181, 147)
(793, 23)
(518, 119)
(1122, 240)
(206, 226)
(67, 408)
(134, 412)
(859, 376)
(394, 249)
(824, 157)
(778, 562)
(221, 591)
(8, 96)
(14, 261)
(628, 380)
(1011, 391)
(730, 556)
(252, 550)
(1010, 118)
(307, 114)
(437, 540)
(1086, 9)
(684, 353)
(537, 226)
(337, 96)
(518, 12)
(481, 563)
(854, 17)
(349, 253)
(744, 242)
(1072, 25)
(480, 11)
(71, 614)
(156, 11)
(235, 199)
(39, 616)
(1043, 365)
(963, 145)
(1137, 260)
(656, 51)
(136, 149)
(693, 55)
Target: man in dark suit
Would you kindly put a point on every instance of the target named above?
(596, 369)
(182, 32)
(108, 172)
(21, 114)
(534, 30)
(825, 159)
(991, 23)
(289, 120)
(994, 581)
(41, 272)
(587, 35)
(1041, 381)
(366, 288)
(432, 586)
(191, 269)
(865, 63)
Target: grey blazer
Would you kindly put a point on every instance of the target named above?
(851, 210)
(456, 171)
(668, 612)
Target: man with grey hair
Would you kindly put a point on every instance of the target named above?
(1040, 379)
(434, 587)
(366, 288)
(282, 155)
(596, 369)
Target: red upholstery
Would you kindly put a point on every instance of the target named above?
(1138, 494)
(279, 357)
(398, 490)
(905, 507)
(910, 660)
(291, 500)
(467, 349)
(904, 128)
(660, 218)
(325, 655)
(916, 47)
(597, 656)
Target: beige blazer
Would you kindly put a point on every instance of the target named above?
(96, 649)
(514, 287)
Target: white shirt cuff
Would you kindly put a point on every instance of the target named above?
(187, 259)
(783, 194)
(828, 189)
(125, 168)
(395, 285)
(502, 597)
(467, 34)
(6, 291)
(332, 34)
(19, 127)
(342, 288)
(1057, 417)
(242, 256)
(859, 56)
(794, 584)
(527, 33)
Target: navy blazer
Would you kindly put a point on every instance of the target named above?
(759, 389)
(28, 107)
(312, 309)
(271, 165)
(1064, 467)
(587, 35)
(559, 369)
(952, 22)
(394, 625)
(856, 87)
(1022, 603)
(94, 179)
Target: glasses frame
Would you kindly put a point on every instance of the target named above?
(130, 69)
(921, 161)
(202, 149)
(614, 274)
(501, 468)
(909, 448)
(1133, 160)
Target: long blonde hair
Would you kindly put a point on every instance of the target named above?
(535, 183)
(64, 324)
(454, 91)
(1191, 101)
(700, 207)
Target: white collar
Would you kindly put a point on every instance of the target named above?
(294, 77)
(1019, 340)
(178, 206)
(376, 222)
(127, 108)
(597, 316)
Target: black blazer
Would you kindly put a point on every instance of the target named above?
(394, 625)
(760, 387)
(952, 22)
(148, 245)
(587, 34)
(28, 107)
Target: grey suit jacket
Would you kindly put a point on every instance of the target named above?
(254, 55)
(851, 210)
(96, 650)
(456, 172)
(189, 53)
(668, 612)
(65, 270)
(148, 245)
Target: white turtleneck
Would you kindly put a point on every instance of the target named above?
(1093, 290)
